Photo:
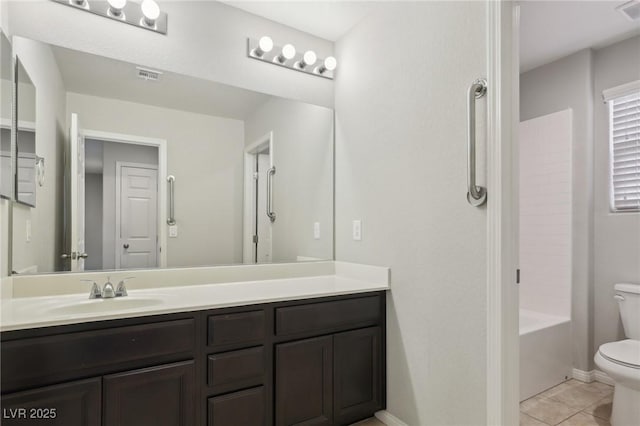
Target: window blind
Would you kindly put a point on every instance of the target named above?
(624, 138)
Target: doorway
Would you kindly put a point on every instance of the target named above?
(121, 201)
(258, 222)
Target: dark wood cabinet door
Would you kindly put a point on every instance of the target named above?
(304, 382)
(159, 396)
(244, 408)
(357, 375)
(68, 404)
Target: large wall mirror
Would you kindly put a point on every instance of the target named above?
(152, 169)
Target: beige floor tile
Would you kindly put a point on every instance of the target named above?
(578, 395)
(602, 408)
(559, 388)
(526, 420)
(582, 419)
(601, 387)
(548, 410)
(369, 422)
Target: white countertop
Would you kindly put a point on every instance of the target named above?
(44, 311)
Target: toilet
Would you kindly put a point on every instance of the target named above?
(621, 360)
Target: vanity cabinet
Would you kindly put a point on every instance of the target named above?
(304, 382)
(73, 403)
(160, 396)
(317, 361)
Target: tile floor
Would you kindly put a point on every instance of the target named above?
(572, 403)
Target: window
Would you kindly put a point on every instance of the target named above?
(624, 141)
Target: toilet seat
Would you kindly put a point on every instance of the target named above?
(624, 352)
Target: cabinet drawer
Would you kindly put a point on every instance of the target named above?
(328, 316)
(236, 329)
(244, 408)
(45, 360)
(238, 368)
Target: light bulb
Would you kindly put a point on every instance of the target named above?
(265, 44)
(330, 63)
(288, 52)
(151, 12)
(116, 6)
(309, 58)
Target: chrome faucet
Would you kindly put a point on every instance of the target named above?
(108, 291)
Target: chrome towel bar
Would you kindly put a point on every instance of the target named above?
(171, 220)
(476, 195)
(270, 212)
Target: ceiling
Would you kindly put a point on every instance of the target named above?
(551, 30)
(109, 78)
(328, 19)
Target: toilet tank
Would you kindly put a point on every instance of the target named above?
(628, 297)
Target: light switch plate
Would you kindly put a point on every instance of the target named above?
(173, 231)
(357, 230)
(316, 230)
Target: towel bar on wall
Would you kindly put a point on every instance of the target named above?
(476, 195)
(171, 220)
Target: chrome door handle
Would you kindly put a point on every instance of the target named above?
(476, 195)
(73, 256)
(270, 212)
(82, 255)
(126, 246)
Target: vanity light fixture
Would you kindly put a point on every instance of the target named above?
(263, 49)
(145, 14)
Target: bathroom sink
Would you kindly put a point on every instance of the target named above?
(104, 305)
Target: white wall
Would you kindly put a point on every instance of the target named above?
(400, 168)
(568, 83)
(204, 153)
(617, 235)
(545, 214)
(46, 218)
(303, 183)
(112, 153)
(205, 39)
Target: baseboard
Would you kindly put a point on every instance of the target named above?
(584, 376)
(389, 419)
(590, 376)
(602, 377)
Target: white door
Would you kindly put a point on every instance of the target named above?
(77, 248)
(136, 216)
(263, 223)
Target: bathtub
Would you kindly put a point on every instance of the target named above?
(545, 352)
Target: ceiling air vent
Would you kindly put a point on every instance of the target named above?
(631, 10)
(147, 74)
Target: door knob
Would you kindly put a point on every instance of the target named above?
(126, 246)
(83, 256)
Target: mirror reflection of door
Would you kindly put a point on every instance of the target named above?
(136, 215)
(258, 225)
(114, 201)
